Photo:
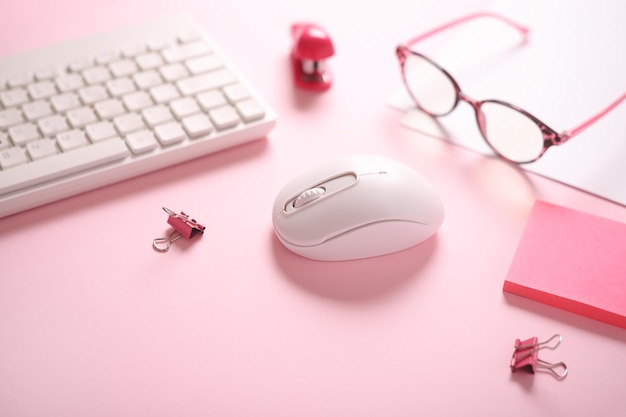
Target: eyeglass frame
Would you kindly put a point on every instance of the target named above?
(550, 136)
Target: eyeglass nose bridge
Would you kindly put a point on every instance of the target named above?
(476, 105)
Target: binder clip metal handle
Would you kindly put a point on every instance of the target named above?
(526, 356)
(162, 244)
(552, 368)
(183, 225)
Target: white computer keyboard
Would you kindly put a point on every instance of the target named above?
(100, 109)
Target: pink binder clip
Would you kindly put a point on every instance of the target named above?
(183, 225)
(526, 356)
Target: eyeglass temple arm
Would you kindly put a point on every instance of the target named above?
(584, 125)
(522, 29)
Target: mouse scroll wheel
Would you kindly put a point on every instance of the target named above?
(309, 196)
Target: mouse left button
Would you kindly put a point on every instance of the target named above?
(308, 196)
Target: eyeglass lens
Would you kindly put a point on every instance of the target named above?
(511, 133)
(431, 88)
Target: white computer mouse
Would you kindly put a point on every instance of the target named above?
(356, 207)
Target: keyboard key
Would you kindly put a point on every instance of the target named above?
(149, 60)
(42, 89)
(169, 133)
(72, 140)
(52, 125)
(173, 72)
(211, 99)
(23, 133)
(59, 165)
(132, 50)
(10, 158)
(107, 57)
(157, 115)
(123, 67)
(197, 125)
(147, 79)
(4, 141)
(235, 92)
(224, 117)
(10, 117)
(120, 86)
(80, 64)
(189, 35)
(64, 102)
(81, 116)
(184, 107)
(37, 109)
(100, 131)
(208, 81)
(137, 101)
(14, 97)
(204, 64)
(185, 51)
(142, 141)
(128, 123)
(164, 93)
(46, 74)
(96, 75)
(108, 109)
(93, 94)
(156, 44)
(19, 80)
(250, 110)
(41, 148)
(69, 82)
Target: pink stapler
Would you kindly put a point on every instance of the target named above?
(311, 47)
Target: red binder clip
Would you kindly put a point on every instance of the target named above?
(526, 356)
(183, 225)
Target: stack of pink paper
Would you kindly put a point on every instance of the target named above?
(574, 261)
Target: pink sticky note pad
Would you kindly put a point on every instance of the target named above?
(574, 261)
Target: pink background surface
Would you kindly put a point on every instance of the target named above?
(93, 322)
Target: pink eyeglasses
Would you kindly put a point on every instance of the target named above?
(512, 133)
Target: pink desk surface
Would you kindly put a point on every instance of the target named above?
(93, 322)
